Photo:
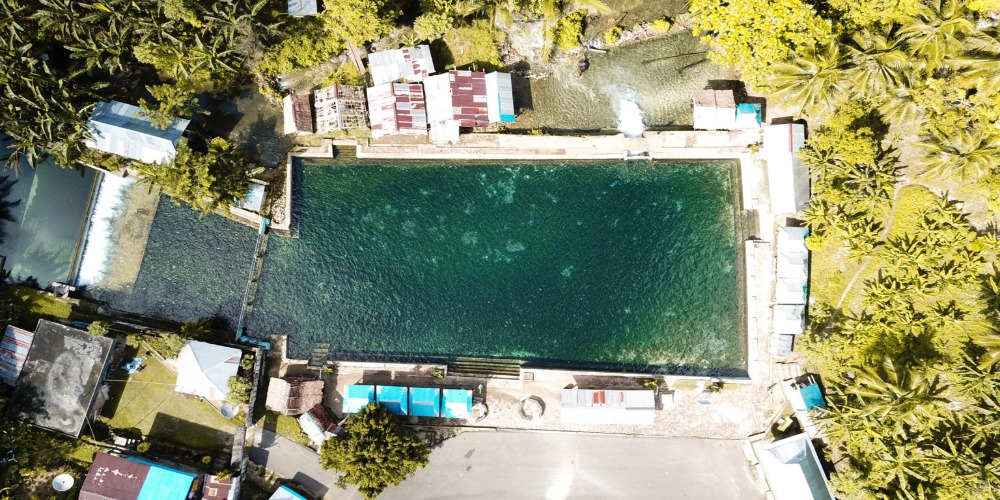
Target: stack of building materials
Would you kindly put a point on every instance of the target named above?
(411, 64)
(787, 179)
(397, 108)
(606, 406)
(804, 394)
(340, 107)
(791, 289)
(318, 424)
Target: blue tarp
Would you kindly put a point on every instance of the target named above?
(394, 398)
(358, 397)
(457, 403)
(425, 402)
(812, 396)
(164, 483)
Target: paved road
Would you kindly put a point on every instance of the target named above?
(296, 462)
(525, 465)
(501, 465)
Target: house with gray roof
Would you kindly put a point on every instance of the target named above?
(123, 129)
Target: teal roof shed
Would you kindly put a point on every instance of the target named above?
(457, 403)
(358, 397)
(395, 398)
(425, 402)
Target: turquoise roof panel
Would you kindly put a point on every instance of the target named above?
(164, 483)
(425, 402)
(393, 397)
(457, 403)
(812, 396)
(358, 397)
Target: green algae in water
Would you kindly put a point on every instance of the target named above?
(630, 264)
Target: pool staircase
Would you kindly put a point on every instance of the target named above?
(485, 367)
(319, 355)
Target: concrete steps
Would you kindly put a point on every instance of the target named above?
(485, 367)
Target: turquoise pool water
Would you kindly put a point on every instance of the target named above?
(613, 265)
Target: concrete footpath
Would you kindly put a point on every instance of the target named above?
(526, 465)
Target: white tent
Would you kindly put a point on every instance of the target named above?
(204, 369)
(787, 179)
(793, 470)
(792, 264)
(790, 291)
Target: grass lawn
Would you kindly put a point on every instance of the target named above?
(148, 403)
(38, 304)
(284, 425)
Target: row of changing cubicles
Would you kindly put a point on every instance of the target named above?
(411, 401)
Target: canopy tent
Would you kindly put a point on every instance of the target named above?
(804, 394)
(393, 397)
(788, 180)
(793, 470)
(457, 403)
(425, 402)
(789, 319)
(204, 369)
(790, 291)
(358, 397)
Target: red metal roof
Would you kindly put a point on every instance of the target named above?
(113, 478)
(397, 108)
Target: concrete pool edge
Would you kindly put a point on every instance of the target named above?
(669, 145)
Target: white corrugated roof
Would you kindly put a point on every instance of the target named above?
(499, 97)
(410, 63)
(788, 180)
(789, 319)
(119, 128)
(793, 470)
(302, 7)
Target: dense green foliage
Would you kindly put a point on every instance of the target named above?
(239, 390)
(374, 451)
(360, 21)
(909, 344)
(753, 35)
(206, 181)
(569, 29)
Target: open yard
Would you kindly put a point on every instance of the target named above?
(147, 403)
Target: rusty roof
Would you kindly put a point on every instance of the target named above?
(294, 395)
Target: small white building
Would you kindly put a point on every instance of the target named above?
(204, 369)
(412, 64)
(298, 114)
(787, 179)
(607, 406)
(397, 108)
(790, 291)
(792, 469)
(123, 129)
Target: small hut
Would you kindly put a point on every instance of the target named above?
(293, 395)
(318, 424)
(425, 402)
(394, 398)
(358, 397)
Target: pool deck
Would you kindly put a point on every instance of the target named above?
(744, 406)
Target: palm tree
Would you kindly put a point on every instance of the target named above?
(937, 33)
(813, 84)
(965, 155)
(878, 63)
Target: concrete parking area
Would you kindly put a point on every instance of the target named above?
(527, 465)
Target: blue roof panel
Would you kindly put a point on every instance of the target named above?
(395, 398)
(425, 402)
(812, 396)
(457, 403)
(358, 397)
(164, 483)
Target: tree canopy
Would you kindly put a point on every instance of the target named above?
(374, 451)
(754, 35)
(206, 181)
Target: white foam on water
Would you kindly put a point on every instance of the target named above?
(99, 244)
(630, 119)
